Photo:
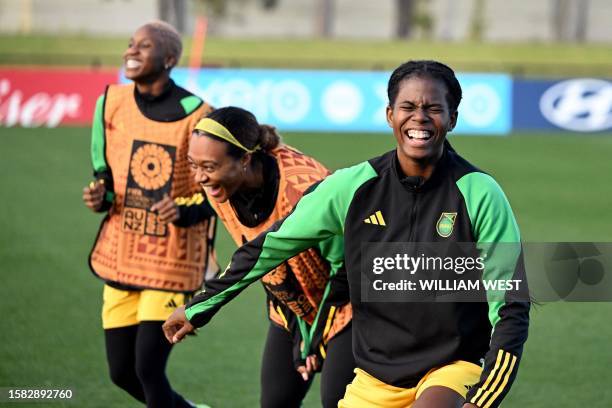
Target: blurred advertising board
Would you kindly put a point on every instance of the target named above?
(50, 97)
(579, 105)
(340, 101)
(318, 101)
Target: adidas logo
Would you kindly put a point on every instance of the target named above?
(376, 219)
(171, 304)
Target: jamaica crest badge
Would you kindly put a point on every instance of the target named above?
(446, 223)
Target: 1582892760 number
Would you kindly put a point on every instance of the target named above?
(9, 394)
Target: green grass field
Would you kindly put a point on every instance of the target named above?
(558, 186)
(529, 59)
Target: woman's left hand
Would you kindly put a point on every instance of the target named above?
(166, 209)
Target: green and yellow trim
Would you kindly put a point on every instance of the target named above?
(496, 381)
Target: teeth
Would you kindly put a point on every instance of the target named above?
(131, 64)
(419, 134)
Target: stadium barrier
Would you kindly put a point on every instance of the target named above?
(579, 104)
(318, 100)
(33, 97)
(340, 101)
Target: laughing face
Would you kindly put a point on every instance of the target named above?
(219, 174)
(420, 119)
(144, 59)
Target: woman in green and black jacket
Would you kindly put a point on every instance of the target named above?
(418, 354)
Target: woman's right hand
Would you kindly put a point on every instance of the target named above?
(93, 195)
(176, 327)
(310, 367)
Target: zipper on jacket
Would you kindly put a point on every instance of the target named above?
(413, 215)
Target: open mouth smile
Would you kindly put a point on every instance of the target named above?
(423, 135)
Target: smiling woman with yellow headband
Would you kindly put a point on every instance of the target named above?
(214, 128)
(252, 181)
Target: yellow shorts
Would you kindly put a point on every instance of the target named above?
(368, 392)
(123, 308)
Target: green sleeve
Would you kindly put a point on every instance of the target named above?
(492, 222)
(98, 153)
(498, 239)
(318, 216)
(98, 158)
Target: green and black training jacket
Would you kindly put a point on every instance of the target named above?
(374, 202)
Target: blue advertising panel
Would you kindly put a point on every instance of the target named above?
(486, 107)
(340, 101)
(580, 104)
(297, 99)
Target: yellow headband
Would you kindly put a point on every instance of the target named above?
(215, 128)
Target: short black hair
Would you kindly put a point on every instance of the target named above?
(430, 69)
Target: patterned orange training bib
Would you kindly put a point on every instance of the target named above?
(148, 159)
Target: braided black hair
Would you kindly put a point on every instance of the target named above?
(430, 69)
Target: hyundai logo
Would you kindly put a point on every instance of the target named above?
(583, 105)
